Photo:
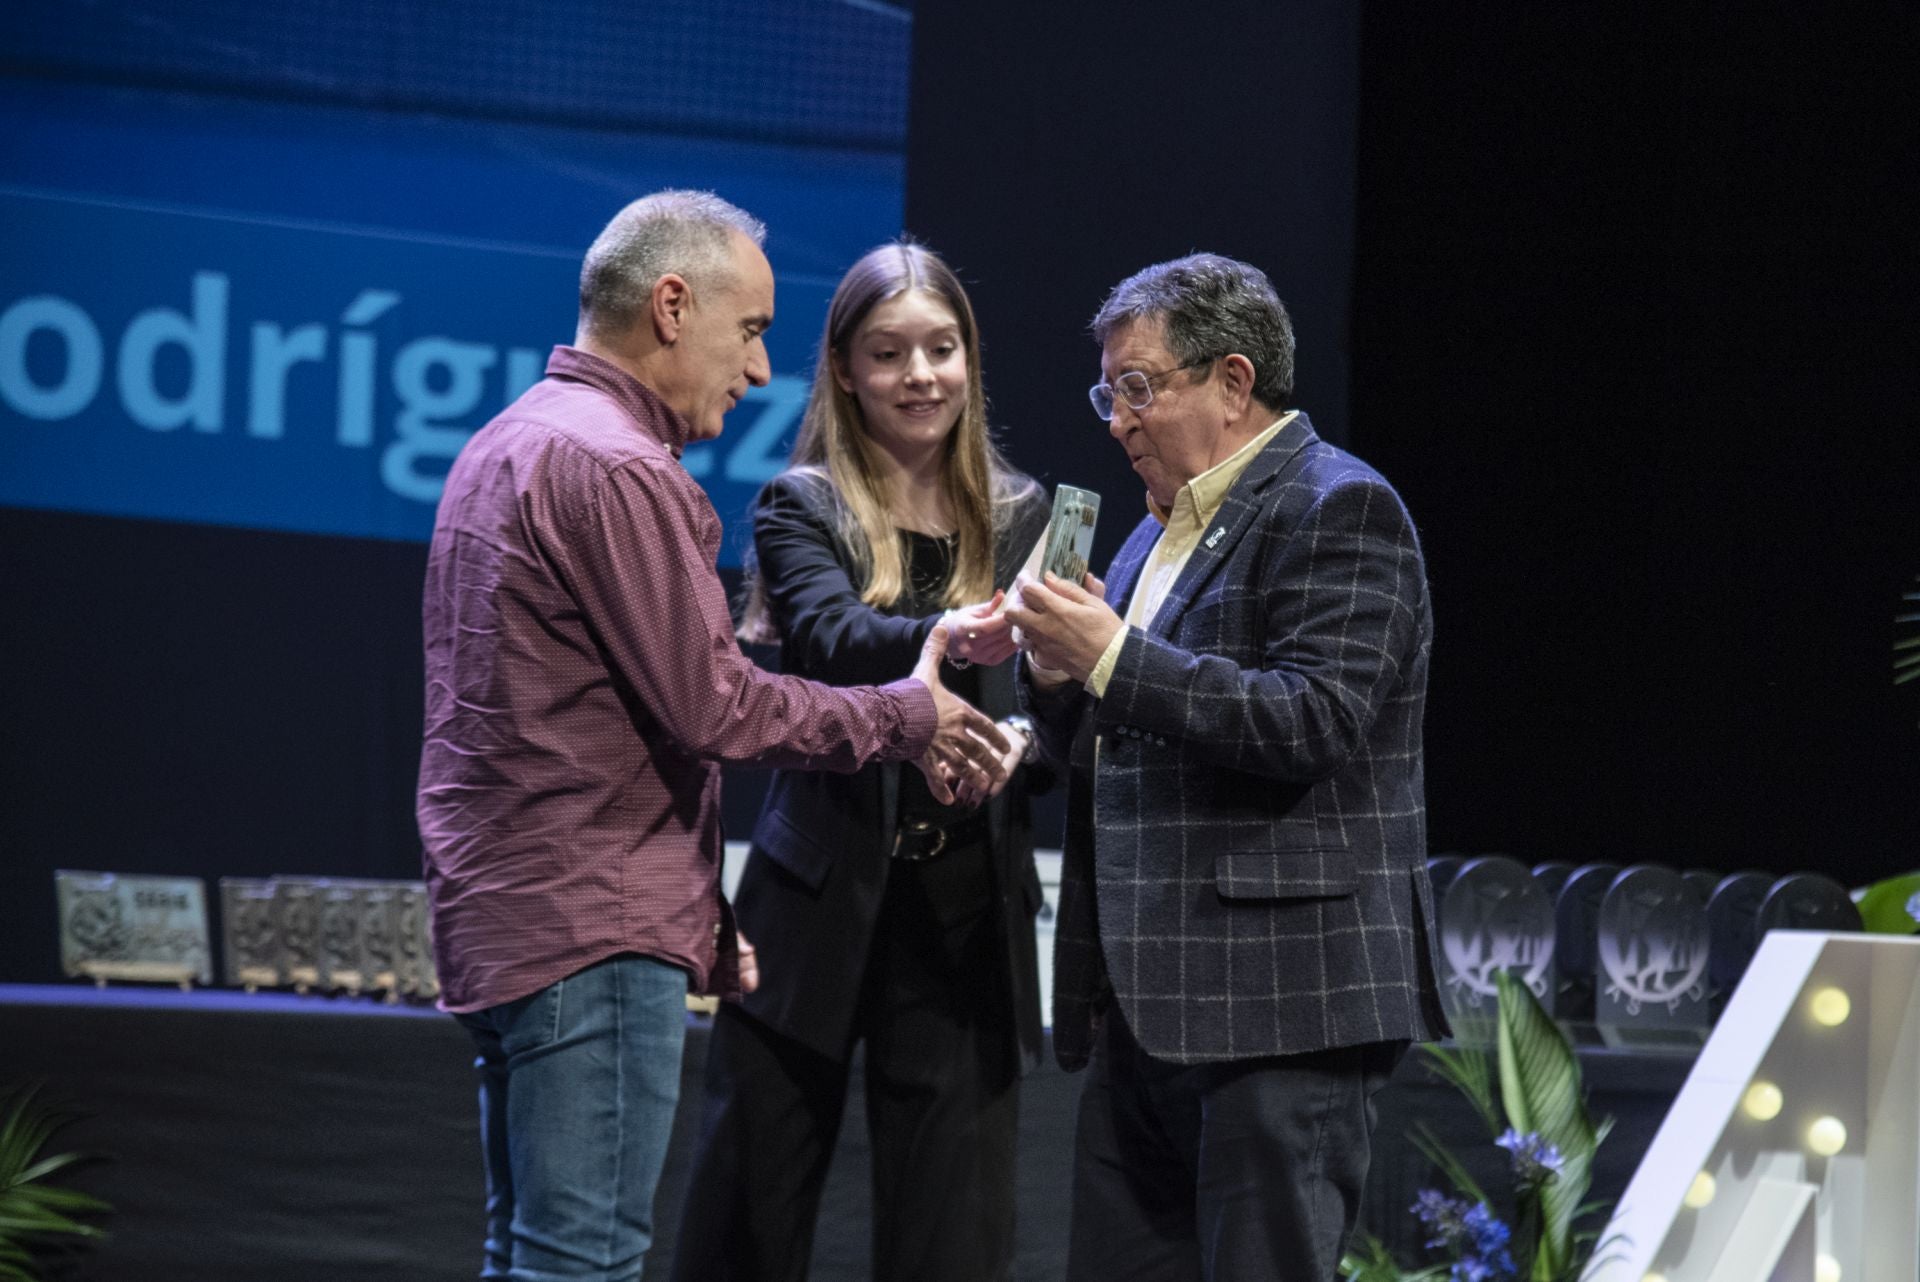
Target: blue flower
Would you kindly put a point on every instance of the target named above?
(1473, 1235)
(1445, 1216)
(1534, 1160)
(1489, 1233)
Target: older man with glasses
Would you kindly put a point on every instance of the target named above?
(1244, 945)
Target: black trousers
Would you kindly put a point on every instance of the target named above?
(1227, 1172)
(942, 1103)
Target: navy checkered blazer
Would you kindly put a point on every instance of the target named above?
(1245, 856)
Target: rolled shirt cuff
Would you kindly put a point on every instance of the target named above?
(1103, 670)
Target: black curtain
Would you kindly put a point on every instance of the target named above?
(1635, 335)
(1054, 150)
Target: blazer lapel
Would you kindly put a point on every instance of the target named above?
(1125, 570)
(1231, 522)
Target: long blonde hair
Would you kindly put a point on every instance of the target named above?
(833, 445)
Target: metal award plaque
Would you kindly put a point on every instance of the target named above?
(296, 902)
(343, 959)
(1493, 917)
(247, 929)
(149, 929)
(380, 936)
(415, 944)
(1652, 954)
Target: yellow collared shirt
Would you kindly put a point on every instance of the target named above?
(1194, 508)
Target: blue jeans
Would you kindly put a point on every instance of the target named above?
(578, 1084)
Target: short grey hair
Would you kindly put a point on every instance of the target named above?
(684, 233)
(1211, 307)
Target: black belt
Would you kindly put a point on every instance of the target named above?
(917, 840)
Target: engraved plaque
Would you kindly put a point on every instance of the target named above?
(380, 935)
(343, 960)
(296, 902)
(1494, 917)
(123, 927)
(247, 929)
(415, 943)
(1652, 953)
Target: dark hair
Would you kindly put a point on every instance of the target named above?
(1211, 306)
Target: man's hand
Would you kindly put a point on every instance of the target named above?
(1063, 626)
(968, 795)
(968, 748)
(979, 633)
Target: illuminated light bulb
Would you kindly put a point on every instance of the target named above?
(1831, 1007)
(1763, 1101)
(1827, 1136)
(1654, 1277)
(1826, 1269)
(1700, 1192)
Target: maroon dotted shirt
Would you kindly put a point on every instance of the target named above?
(583, 684)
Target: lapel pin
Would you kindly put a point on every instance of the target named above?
(1219, 532)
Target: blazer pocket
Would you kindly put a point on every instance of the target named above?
(786, 845)
(1321, 873)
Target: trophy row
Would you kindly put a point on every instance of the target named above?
(309, 934)
(1644, 955)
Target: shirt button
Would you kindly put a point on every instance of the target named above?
(716, 930)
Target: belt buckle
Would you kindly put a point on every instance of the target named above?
(919, 828)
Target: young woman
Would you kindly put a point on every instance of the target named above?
(882, 916)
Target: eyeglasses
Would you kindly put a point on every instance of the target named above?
(1134, 387)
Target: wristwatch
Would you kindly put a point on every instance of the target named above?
(1024, 724)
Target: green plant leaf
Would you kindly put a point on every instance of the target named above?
(31, 1210)
(1540, 1088)
(47, 1166)
(50, 1197)
(1377, 1265)
(1883, 908)
(1468, 1069)
(1434, 1151)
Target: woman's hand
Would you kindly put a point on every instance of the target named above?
(978, 633)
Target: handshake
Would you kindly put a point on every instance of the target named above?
(1063, 627)
(972, 756)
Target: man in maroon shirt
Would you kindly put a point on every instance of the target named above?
(583, 685)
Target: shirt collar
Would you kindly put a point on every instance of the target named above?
(642, 404)
(1201, 497)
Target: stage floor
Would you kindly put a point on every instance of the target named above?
(299, 1139)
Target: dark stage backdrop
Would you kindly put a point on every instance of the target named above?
(1052, 150)
(1632, 329)
(1635, 335)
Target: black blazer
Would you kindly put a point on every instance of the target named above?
(813, 883)
(1249, 876)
